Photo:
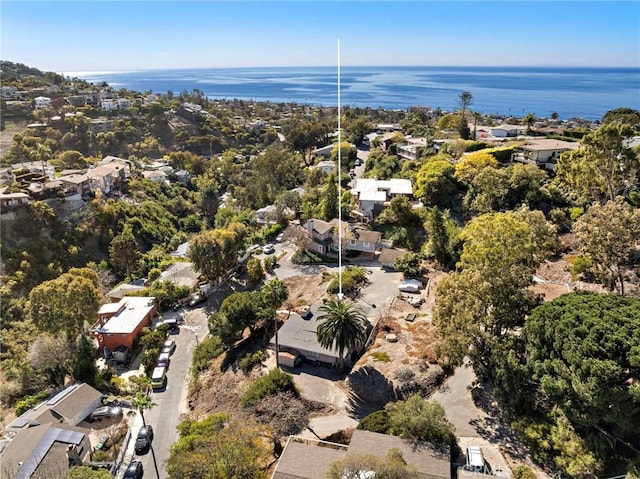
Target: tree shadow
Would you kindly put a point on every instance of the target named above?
(369, 391)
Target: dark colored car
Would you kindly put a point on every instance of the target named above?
(134, 470)
(105, 412)
(144, 439)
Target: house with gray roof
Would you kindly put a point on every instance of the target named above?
(310, 459)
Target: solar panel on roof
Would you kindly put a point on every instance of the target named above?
(52, 435)
(61, 395)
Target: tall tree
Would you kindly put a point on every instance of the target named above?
(609, 235)
(342, 327)
(330, 201)
(529, 120)
(465, 100)
(65, 304)
(124, 253)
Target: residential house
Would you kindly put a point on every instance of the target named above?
(324, 152)
(412, 148)
(387, 127)
(388, 257)
(109, 104)
(155, 175)
(76, 184)
(123, 103)
(183, 176)
(181, 251)
(507, 131)
(122, 290)
(69, 406)
(356, 238)
(181, 274)
(120, 323)
(77, 100)
(123, 166)
(386, 140)
(327, 166)
(41, 168)
(8, 91)
(310, 459)
(42, 102)
(325, 237)
(46, 451)
(543, 152)
(13, 200)
(298, 335)
(372, 195)
(270, 214)
(101, 125)
(6, 176)
(321, 235)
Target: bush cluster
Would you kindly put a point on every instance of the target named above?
(273, 383)
(209, 349)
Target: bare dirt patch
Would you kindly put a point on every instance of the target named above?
(306, 289)
(6, 136)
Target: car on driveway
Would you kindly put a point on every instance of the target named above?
(144, 439)
(410, 286)
(197, 298)
(269, 249)
(163, 360)
(105, 412)
(134, 470)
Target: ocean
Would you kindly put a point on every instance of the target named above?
(584, 92)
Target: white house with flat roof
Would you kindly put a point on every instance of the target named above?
(543, 152)
(373, 194)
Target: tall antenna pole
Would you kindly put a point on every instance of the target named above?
(339, 187)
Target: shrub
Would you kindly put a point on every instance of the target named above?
(28, 402)
(149, 359)
(352, 278)
(270, 263)
(209, 349)
(405, 374)
(273, 383)
(381, 356)
(581, 265)
(251, 360)
(375, 422)
(523, 472)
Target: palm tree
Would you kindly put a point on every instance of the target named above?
(275, 293)
(529, 120)
(142, 401)
(342, 327)
(42, 153)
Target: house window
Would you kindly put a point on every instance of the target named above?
(366, 245)
(312, 354)
(352, 242)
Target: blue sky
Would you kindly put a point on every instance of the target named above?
(136, 35)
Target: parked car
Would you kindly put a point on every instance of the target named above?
(172, 323)
(196, 298)
(159, 377)
(144, 439)
(410, 286)
(134, 470)
(169, 346)
(269, 248)
(163, 360)
(254, 249)
(105, 412)
(279, 238)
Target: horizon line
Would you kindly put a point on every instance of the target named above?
(133, 70)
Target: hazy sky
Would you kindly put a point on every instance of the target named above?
(134, 35)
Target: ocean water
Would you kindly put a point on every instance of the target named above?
(570, 91)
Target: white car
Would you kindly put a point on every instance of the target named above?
(269, 249)
(410, 286)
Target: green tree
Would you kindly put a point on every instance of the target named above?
(607, 234)
(440, 242)
(65, 304)
(606, 169)
(436, 184)
(275, 292)
(219, 447)
(470, 165)
(215, 252)
(583, 349)
(330, 201)
(627, 116)
(255, 271)
(479, 304)
(124, 254)
(391, 466)
(420, 420)
(409, 264)
(529, 120)
(342, 328)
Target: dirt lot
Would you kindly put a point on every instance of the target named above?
(6, 135)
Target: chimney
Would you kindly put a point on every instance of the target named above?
(73, 456)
